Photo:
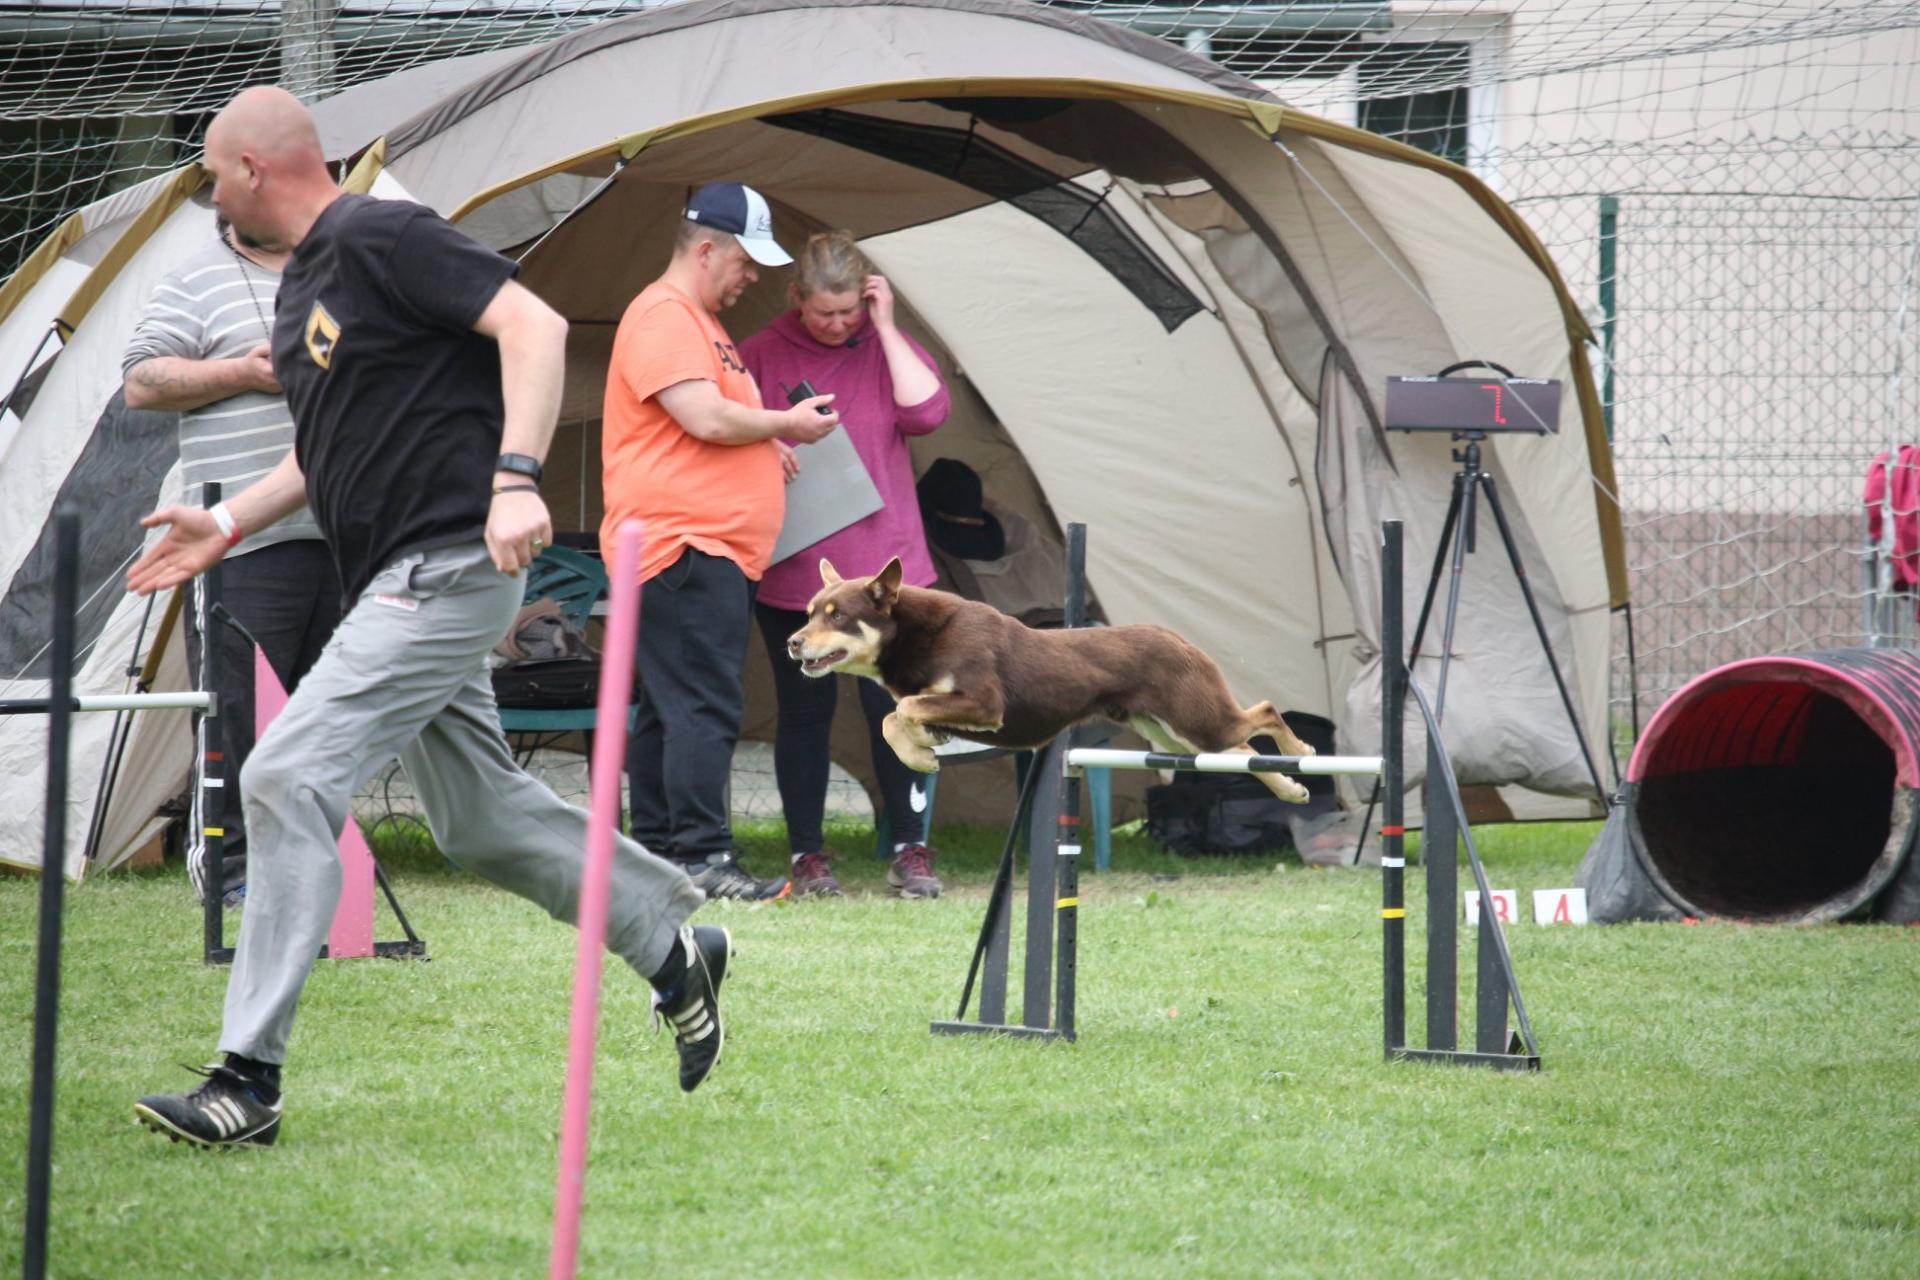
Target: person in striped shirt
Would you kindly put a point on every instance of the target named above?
(200, 351)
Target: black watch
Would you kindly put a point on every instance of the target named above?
(521, 464)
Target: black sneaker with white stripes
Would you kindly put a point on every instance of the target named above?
(694, 1012)
(229, 1110)
(724, 877)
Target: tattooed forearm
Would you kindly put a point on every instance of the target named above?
(175, 384)
(158, 377)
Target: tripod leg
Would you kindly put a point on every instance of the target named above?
(1433, 574)
(1462, 543)
(1540, 630)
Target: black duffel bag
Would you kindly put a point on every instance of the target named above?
(550, 685)
(1206, 814)
(546, 663)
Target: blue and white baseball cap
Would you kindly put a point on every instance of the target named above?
(741, 211)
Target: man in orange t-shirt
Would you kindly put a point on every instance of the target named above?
(687, 448)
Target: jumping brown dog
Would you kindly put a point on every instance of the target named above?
(964, 669)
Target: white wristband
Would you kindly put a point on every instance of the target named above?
(229, 529)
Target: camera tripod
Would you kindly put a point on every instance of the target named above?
(1457, 538)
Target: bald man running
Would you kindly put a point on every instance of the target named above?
(424, 384)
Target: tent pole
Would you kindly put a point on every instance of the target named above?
(606, 185)
(31, 367)
(117, 741)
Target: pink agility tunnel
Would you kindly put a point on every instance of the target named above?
(1784, 789)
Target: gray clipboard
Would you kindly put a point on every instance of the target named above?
(832, 491)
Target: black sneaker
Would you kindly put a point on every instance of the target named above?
(229, 1110)
(698, 1033)
(724, 877)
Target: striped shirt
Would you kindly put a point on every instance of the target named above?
(215, 306)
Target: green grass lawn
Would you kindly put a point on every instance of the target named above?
(1717, 1099)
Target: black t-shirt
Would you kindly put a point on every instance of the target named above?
(396, 400)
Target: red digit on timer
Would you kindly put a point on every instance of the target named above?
(1498, 417)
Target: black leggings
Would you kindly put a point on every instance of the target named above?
(800, 748)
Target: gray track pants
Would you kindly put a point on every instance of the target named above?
(405, 674)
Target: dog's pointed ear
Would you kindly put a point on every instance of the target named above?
(828, 574)
(884, 588)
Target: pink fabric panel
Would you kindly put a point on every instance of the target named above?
(1905, 500)
(352, 931)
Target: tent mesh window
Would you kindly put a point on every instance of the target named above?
(127, 442)
(975, 162)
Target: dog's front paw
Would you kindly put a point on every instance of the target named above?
(909, 742)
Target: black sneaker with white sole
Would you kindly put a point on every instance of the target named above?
(694, 1014)
(229, 1110)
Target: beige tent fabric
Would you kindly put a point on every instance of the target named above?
(36, 462)
(1355, 228)
(710, 58)
(1156, 441)
(1546, 483)
(1294, 418)
(1501, 698)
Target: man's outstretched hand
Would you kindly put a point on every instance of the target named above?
(192, 545)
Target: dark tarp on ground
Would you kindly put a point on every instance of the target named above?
(1618, 887)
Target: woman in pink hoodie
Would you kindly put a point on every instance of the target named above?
(841, 338)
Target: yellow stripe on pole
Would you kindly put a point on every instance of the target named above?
(1393, 913)
(1067, 902)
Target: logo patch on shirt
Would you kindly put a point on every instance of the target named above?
(323, 333)
(407, 603)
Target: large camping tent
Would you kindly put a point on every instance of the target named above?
(1167, 305)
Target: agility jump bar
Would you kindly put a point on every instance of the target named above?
(110, 702)
(1224, 762)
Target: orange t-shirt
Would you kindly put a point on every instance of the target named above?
(725, 500)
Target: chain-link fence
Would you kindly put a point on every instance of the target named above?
(1754, 298)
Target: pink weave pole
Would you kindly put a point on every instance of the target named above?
(609, 762)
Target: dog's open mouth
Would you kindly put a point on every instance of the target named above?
(823, 662)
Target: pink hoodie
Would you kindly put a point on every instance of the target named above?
(782, 355)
